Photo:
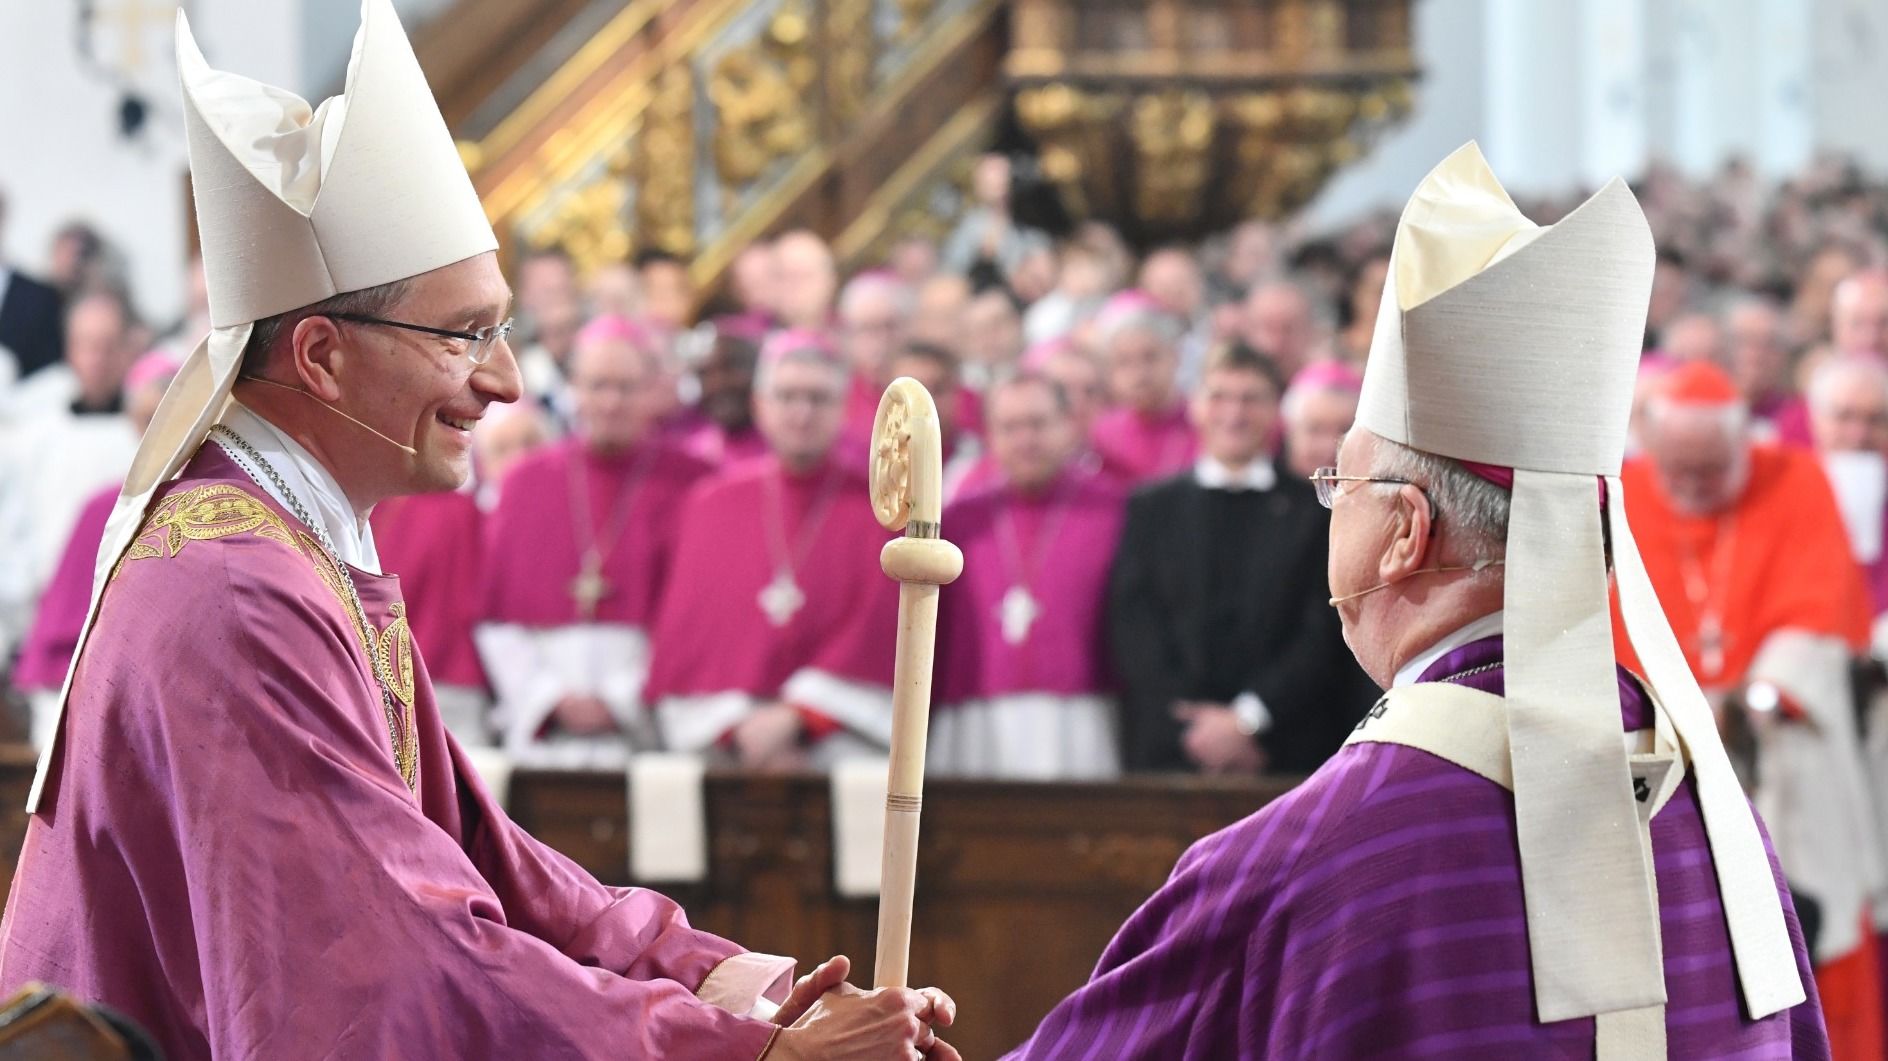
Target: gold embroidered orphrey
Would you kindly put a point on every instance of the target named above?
(220, 510)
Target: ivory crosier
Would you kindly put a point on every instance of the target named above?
(907, 495)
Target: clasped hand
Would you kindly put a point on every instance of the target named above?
(827, 1019)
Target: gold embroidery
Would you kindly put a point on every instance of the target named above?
(404, 731)
(396, 647)
(206, 513)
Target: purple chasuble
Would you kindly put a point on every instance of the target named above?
(1056, 546)
(535, 544)
(228, 855)
(47, 653)
(436, 544)
(1375, 912)
(738, 533)
(1135, 447)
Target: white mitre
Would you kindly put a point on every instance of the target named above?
(1505, 343)
(295, 205)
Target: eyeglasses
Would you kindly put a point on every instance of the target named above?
(482, 341)
(1326, 479)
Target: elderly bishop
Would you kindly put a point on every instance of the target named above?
(1523, 850)
(780, 655)
(580, 544)
(253, 836)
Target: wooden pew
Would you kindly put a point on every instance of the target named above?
(1020, 886)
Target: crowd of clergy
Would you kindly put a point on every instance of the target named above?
(669, 545)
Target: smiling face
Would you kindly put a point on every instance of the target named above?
(419, 389)
(1234, 411)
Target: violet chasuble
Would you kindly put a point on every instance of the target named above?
(230, 855)
(1375, 912)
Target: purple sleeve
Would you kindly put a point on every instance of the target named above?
(330, 917)
(633, 932)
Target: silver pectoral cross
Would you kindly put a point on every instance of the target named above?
(781, 599)
(1018, 612)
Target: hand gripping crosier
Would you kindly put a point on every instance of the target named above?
(907, 493)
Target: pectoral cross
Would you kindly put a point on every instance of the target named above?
(589, 587)
(781, 599)
(1018, 612)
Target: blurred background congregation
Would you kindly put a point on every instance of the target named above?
(1134, 249)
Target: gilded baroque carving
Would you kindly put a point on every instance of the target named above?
(759, 93)
(1172, 118)
(912, 15)
(664, 159)
(852, 50)
(1172, 133)
(591, 221)
(1074, 129)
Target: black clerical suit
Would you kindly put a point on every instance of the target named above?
(1218, 592)
(31, 321)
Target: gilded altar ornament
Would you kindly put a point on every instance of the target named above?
(665, 165)
(852, 52)
(591, 222)
(912, 15)
(1172, 133)
(759, 93)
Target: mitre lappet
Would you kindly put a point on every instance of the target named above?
(296, 204)
(1505, 343)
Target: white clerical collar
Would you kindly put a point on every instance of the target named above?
(312, 483)
(1258, 474)
(1487, 626)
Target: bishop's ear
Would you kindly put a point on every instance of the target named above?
(318, 350)
(1411, 526)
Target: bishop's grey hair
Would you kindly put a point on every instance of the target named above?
(1474, 510)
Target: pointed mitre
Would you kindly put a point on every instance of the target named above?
(296, 204)
(1502, 342)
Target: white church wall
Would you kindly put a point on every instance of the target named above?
(65, 160)
(1850, 84)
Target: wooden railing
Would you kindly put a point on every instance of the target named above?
(1020, 886)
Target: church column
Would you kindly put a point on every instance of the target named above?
(1785, 51)
(1716, 82)
(1613, 102)
(1849, 64)
(1534, 98)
